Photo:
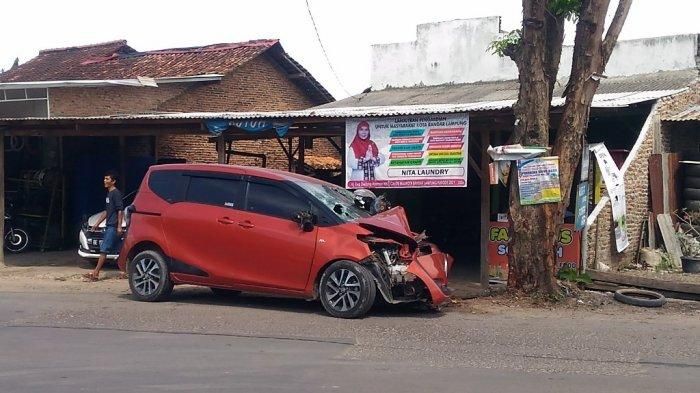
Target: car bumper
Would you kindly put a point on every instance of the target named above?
(94, 255)
(432, 269)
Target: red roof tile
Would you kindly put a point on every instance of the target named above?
(117, 60)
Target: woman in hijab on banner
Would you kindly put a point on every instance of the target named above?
(363, 155)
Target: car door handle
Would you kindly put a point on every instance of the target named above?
(246, 224)
(225, 221)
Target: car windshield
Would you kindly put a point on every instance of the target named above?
(339, 200)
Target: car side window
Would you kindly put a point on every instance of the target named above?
(169, 185)
(274, 201)
(215, 191)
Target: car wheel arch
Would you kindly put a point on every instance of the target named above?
(322, 269)
(146, 245)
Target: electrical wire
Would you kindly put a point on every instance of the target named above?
(325, 54)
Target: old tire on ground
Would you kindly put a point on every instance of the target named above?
(691, 194)
(347, 289)
(691, 182)
(640, 297)
(149, 277)
(692, 204)
(691, 170)
(221, 292)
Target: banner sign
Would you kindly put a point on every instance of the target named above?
(538, 180)
(217, 126)
(581, 205)
(568, 251)
(615, 184)
(407, 152)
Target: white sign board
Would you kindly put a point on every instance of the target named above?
(615, 184)
(407, 152)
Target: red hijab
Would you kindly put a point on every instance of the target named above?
(360, 146)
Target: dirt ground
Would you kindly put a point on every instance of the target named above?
(62, 273)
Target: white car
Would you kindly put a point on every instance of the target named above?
(90, 241)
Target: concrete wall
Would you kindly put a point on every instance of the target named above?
(456, 52)
(676, 137)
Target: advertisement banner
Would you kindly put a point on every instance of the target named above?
(538, 180)
(581, 205)
(407, 152)
(615, 184)
(568, 251)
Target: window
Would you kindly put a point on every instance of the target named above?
(274, 201)
(169, 185)
(215, 191)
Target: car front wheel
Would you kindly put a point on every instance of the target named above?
(347, 290)
(149, 277)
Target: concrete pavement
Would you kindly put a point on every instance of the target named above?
(69, 341)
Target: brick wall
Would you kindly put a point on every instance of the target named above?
(600, 237)
(95, 101)
(677, 136)
(258, 85)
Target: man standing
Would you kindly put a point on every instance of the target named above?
(114, 214)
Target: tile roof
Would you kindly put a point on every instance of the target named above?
(470, 93)
(689, 113)
(117, 60)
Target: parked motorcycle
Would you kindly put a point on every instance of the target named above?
(16, 239)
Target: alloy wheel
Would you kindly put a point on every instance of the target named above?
(147, 276)
(343, 290)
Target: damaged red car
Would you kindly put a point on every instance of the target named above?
(235, 229)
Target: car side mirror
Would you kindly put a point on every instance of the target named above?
(306, 221)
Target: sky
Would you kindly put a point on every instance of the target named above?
(347, 28)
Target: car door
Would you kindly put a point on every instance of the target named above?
(277, 252)
(201, 230)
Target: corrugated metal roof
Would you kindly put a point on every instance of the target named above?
(615, 100)
(688, 114)
(508, 90)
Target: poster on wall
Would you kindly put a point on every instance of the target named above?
(538, 180)
(407, 152)
(615, 184)
(568, 251)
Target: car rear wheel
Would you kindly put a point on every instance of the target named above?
(347, 290)
(149, 277)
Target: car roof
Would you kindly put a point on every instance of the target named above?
(272, 174)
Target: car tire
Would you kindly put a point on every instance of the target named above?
(640, 297)
(691, 193)
(347, 290)
(149, 277)
(692, 170)
(221, 292)
(692, 204)
(692, 182)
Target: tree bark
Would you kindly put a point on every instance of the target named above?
(531, 249)
(535, 228)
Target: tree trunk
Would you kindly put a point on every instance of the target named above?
(531, 253)
(535, 228)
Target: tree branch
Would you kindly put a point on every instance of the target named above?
(615, 28)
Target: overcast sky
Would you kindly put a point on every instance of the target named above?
(347, 28)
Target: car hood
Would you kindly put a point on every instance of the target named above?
(93, 220)
(394, 221)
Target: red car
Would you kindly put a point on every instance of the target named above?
(236, 229)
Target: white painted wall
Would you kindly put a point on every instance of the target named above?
(455, 52)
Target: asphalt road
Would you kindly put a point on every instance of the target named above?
(105, 342)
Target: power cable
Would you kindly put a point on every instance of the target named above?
(328, 60)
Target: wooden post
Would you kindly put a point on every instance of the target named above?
(122, 162)
(221, 149)
(2, 198)
(300, 162)
(485, 208)
(290, 157)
